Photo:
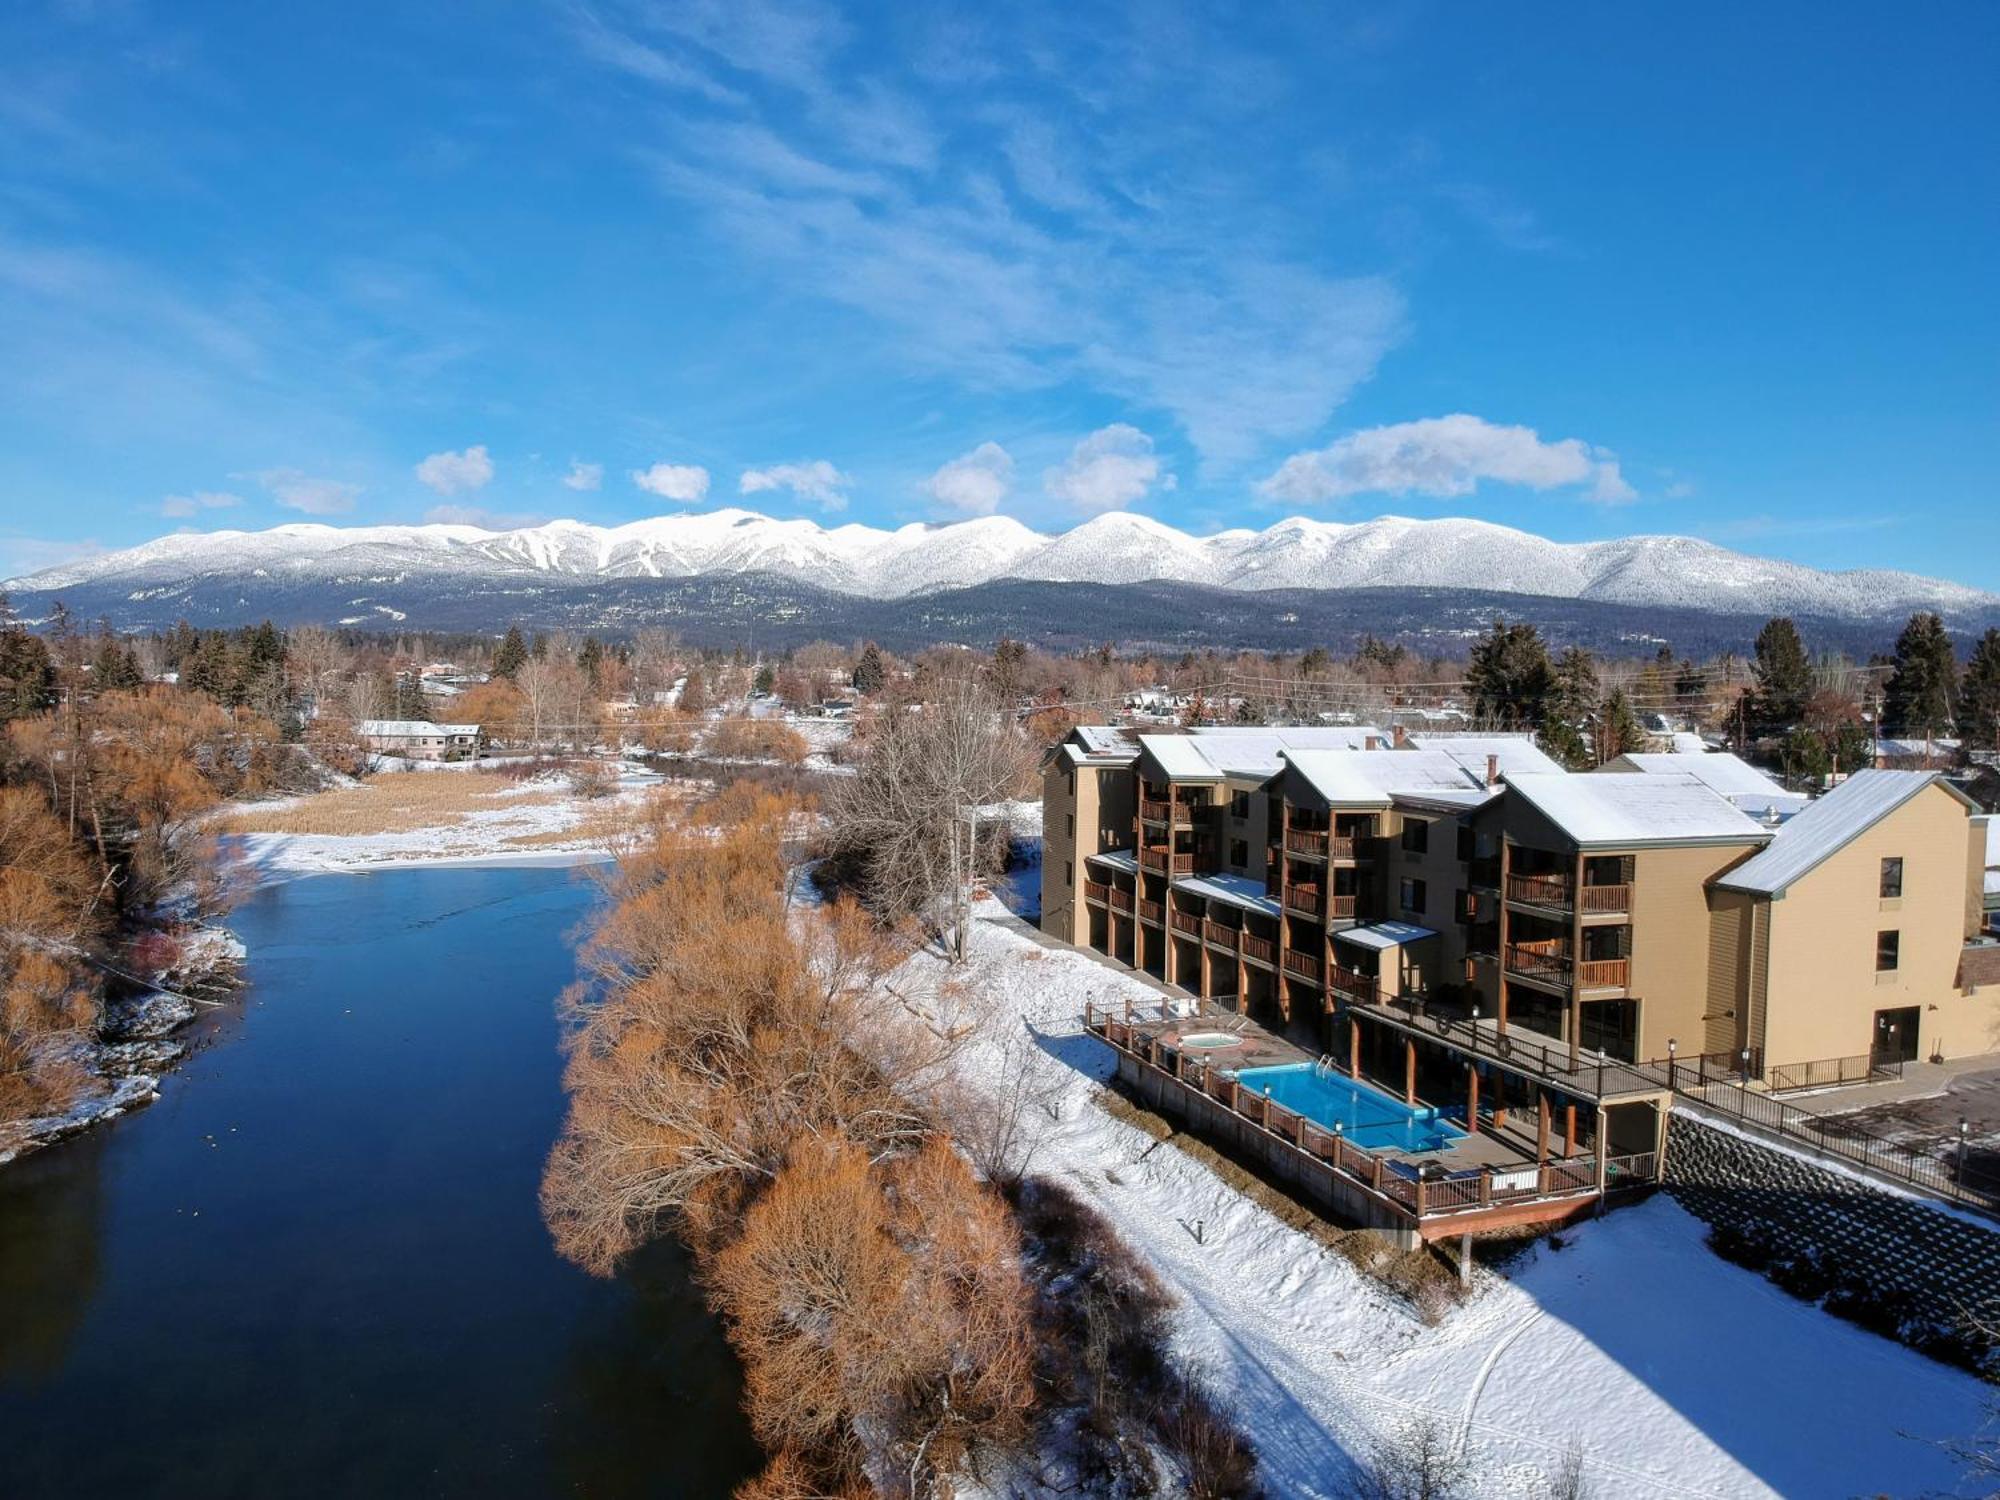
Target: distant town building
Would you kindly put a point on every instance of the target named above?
(419, 739)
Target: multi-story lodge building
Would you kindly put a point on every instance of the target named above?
(1663, 905)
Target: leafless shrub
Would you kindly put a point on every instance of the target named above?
(1568, 1479)
(1420, 1461)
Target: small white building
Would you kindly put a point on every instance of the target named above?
(419, 739)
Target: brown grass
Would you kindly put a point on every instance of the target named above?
(396, 802)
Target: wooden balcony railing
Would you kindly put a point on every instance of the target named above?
(1600, 899)
(1219, 933)
(1343, 906)
(1188, 922)
(1096, 891)
(1149, 911)
(1261, 949)
(1549, 960)
(1604, 973)
(1121, 898)
(1302, 965)
(1155, 809)
(1159, 857)
(1539, 890)
(1352, 983)
(1310, 842)
(1305, 898)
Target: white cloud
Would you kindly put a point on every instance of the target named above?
(457, 473)
(1108, 470)
(973, 484)
(21, 556)
(200, 500)
(818, 481)
(472, 515)
(583, 476)
(1445, 457)
(683, 482)
(316, 497)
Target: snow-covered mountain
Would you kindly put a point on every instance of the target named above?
(379, 562)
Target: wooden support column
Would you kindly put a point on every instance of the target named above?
(1569, 1128)
(1499, 1098)
(1500, 967)
(1353, 1047)
(1280, 979)
(1409, 1071)
(1541, 1124)
(1576, 963)
(1207, 958)
(1472, 1098)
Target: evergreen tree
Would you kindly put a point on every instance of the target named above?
(1618, 731)
(114, 668)
(694, 691)
(1784, 677)
(766, 679)
(590, 657)
(1979, 696)
(1510, 676)
(1009, 658)
(1923, 690)
(869, 673)
(208, 668)
(27, 676)
(1806, 755)
(409, 699)
(513, 652)
(1572, 698)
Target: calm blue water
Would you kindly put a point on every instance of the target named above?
(1366, 1116)
(316, 1267)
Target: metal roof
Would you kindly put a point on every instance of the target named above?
(1827, 826)
(1237, 890)
(1369, 778)
(1383, 935)
(1180, 756)
(1518, 754)
(1617, 812)
(1728, 774)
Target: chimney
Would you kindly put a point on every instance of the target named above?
(1492, 769)
(1401, 736)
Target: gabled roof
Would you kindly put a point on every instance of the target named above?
(1828, 826)
(1624, 812)
(1370, 778)
(1728, 774)
(1518, 754)
(410, 728)
(1179, 756)
(1104, 739)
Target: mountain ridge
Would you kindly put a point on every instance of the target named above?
(919, 559)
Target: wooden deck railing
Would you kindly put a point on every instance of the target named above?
(1219, 933)
(1188, 922)
(1121, 898)
(1539, 890)
(1545, 960)
(1352, 983)
(1305, 898)
(1149, 911)
(1604, 973)
(1302, 965)
(1159, 857)
(1419, 1194)
(1097, 891)
(1602, 900)
(1155, 809)
(1310, 842)
(1261, 949)
(1342, 906)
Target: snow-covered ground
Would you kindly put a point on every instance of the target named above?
(1681, 1374)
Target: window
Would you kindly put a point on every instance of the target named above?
(1892, 880)
(1239, 853)
(1069, 824)
(1465, 845)
(1888, 946)
(1069, 874)
(1413, 896)
(1239, 805)
(1416, 835)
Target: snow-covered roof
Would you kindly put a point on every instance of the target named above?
(1179, 756)
(1624, 811)
(410, 729)
(1771, 808)
(1237, 890)
(1828, 826)
(1104, 739)
(1686, 742)
(1518, 754)
(1118, 859)
(1728, 774)
(1369, 778)
(1383, 935)
(1915, 749)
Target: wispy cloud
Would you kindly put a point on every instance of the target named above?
(683, 482)
(1445, 457)
(459, 473)
(182, 506)
(583, 476)
(1113, 468)
(296, 490)
(818, 481)
(973, 484)
(22, 555)
(487, 520)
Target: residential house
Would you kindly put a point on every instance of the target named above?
(419, 739)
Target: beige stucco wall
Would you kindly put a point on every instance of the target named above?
(1440, 960)
(1100, 799)
(1824, 990)
(1734, 1013)
(1671, 930)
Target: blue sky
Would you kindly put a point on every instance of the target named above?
(1587, 270)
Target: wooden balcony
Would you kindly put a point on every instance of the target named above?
(1156, 809)
(1548, 961)
(1308, 899)
(1149, 911)
(1188, 922)
(1159, 857)
(1342, 906)
(1302, 965)
(1121, 899)
(1308, 843)
(1602, 900)
(1555, 891)
(1260, 950)
(1352, 984)
(1221, 934)
(1096, 891)
(1604, 973)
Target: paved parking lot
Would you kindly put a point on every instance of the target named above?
(1932, 1121)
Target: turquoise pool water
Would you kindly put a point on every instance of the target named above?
(1367, 1117)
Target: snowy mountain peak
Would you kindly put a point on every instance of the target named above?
(1118, 547)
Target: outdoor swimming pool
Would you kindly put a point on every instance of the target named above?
(1367, 1117)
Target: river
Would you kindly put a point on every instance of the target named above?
(316, 1267)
